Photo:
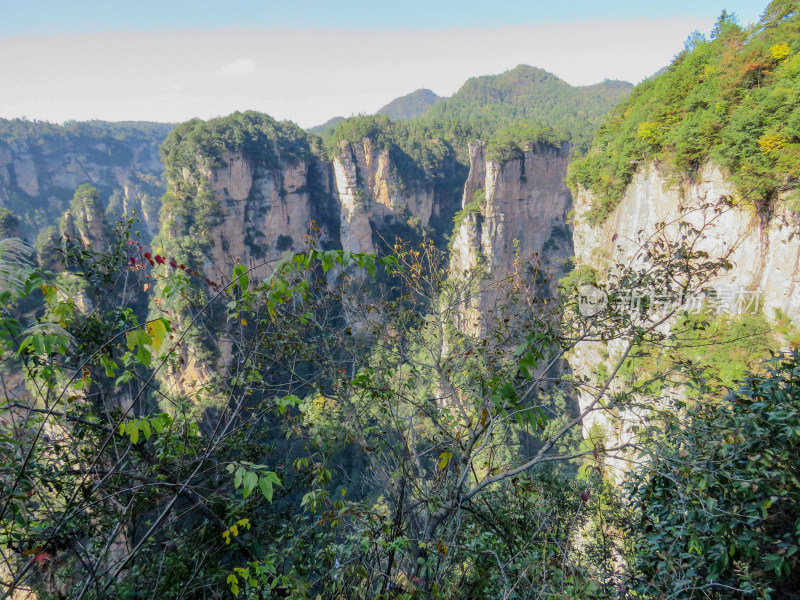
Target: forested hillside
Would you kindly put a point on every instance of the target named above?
(409, 106)
(526, 96)
(523, 105)
(733, 98)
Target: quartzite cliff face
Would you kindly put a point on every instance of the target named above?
(763, 249)
(265, 211)
(372, 194)
(514, 211)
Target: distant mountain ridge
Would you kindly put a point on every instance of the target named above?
(329, 124)
(528, 94)
(410, 106)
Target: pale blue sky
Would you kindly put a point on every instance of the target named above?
(308, 60)
(87, 16)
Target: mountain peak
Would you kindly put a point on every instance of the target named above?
(410, 106)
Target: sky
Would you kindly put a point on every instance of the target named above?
(310, 60)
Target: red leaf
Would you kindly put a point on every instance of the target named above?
(160, 259)
(147, 255)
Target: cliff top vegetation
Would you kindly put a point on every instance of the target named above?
(508, 111)
(733, 99)
(202, 143)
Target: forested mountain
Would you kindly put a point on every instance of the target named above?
(409, 106)
(509, 111)
(329, 124)
(527, 95)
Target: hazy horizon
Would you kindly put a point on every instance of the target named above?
(312, 75)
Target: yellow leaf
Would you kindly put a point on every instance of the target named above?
(444, 459)
(780, 51)
(157, 331)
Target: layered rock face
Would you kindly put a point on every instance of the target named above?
(764, 251)
(512, 213)
(372, 193)
(266, 211)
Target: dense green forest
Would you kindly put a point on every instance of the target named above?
(525, 97)
(733, 99)
(259, 136)
(77, 133)
(359, 444)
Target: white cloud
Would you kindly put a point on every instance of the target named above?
(308, 76)
(239, 67)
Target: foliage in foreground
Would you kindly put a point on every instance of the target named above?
(720, 499)
(357, 443)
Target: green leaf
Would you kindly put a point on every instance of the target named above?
(124, 378)
(369, 263)
(329, 260)
(143, 356)
(444, 459)
(158, 422)
(145, 426)
(132, 431)
(237, 478)
(250, 482)
(283, 403)
(266, 487)
(240, 275)
(137, 337)
(109, 365)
